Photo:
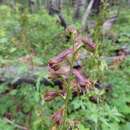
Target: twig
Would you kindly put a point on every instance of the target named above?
(15, 125)
(86, 14)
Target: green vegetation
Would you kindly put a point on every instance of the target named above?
(41, 37)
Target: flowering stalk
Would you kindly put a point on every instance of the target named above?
(60, 70)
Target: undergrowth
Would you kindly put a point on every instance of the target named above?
(39, 34)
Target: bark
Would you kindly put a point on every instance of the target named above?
(13, 4)
(12, 76)
(46, 3)
(129, 2)
(108, 24)
(14, 124)
(79, 5)
(60, 4)
(54, 10)
(1, 1)
(57, 4)
(62, 20)
(96, 6)
(32, 5)
(86, 15)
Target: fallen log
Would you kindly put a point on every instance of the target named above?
(18, 74)
(14, 76)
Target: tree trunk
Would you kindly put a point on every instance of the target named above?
(96, 6)
(32, 5)
(55, 9)
(86, 15)
(54, 6)
(57, 4)
(1, 1)
(79, 5)
(129, 2)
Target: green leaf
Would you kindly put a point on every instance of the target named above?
(82, 127)
(125, 127)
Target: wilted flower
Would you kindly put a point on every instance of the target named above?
(50, 95)
(80, 40)
(54, 61)
(81, 79)
(57, 117)
(89, 43)
(54, 67)
(62, 93)
(62, 71)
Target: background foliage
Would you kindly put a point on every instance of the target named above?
(22, 33)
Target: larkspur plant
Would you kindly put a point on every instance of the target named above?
(74, 82)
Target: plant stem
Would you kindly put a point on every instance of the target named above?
(67, 97)
(15, 125)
